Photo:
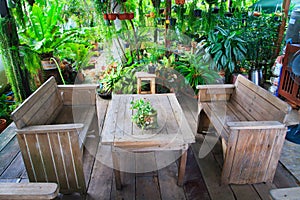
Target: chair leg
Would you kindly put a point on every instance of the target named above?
(181, 169)
(116, 166)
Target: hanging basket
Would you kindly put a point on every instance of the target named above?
(179, 2)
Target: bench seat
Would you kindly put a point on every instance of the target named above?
(249, 121)
(52, 126)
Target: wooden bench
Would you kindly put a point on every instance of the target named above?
(9, 191)
(52, 125)
(285, 193)
(250, 122)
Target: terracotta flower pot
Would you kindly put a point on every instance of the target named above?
(179, 2)
(2, 124)
(105, 16)
(122, 16)
(111, 16)
(130, 16)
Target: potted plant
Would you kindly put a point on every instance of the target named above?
(45, 35)
(112, 75)
(226, 48)
(145, 116)
(5, 110)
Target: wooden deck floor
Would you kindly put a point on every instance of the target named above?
(202, 180)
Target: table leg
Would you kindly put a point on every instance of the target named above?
(116, 168)
(139, 86)
(181, 169)
(152, 86)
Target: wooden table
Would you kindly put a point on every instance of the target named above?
(173, 132)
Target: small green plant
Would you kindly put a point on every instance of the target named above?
(6, 108)
(145, 115)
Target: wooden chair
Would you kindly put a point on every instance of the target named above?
(52, 126)
(250, 121)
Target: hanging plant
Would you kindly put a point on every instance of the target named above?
(179, 2)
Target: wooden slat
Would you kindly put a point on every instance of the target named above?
(17, 165)
(7, 135)
(8, 153)
(28, 190)
(84, 94)
(263, 110)
(255, 125)
(278, 103)
(285, 193)
(39, 107)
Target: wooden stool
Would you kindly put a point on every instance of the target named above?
(145, 76)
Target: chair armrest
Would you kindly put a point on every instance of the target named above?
(255, 125)
(220, 92)
(51, 128)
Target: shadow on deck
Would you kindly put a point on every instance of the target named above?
(202, 179)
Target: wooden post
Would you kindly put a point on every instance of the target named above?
(285, 7)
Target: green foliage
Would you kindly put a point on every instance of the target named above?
(78, 54)
(143, 112)
(226, 48)
(260, 35)
(111, 78)
(195, 70)
(43, 34)
(6, 108)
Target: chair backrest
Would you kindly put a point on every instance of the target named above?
(53, 157)
(257, 103)
(39, 108)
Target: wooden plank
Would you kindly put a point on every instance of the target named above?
(49, 128)
(18, 168)
(109, 127)
(255, 125)
(101, 180)
(84, 94)
(147, 186)
(167, 177)
(194, 186)
(278, 103)
(41, 94)
(185, 129)
(211, 172)
(8, 154)
(28, 190)
(7, 135)
(263, 110)
(42, 109)
(285, 193)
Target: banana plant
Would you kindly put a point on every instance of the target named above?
(226, 48)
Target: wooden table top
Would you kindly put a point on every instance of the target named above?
(173, 131)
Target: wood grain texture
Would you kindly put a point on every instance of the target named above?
(251, 125)
(53, 124)
(28, 190)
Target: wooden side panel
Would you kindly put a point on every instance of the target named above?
(252, 155)
(54, 157)
(39, 107)
(78, 94)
